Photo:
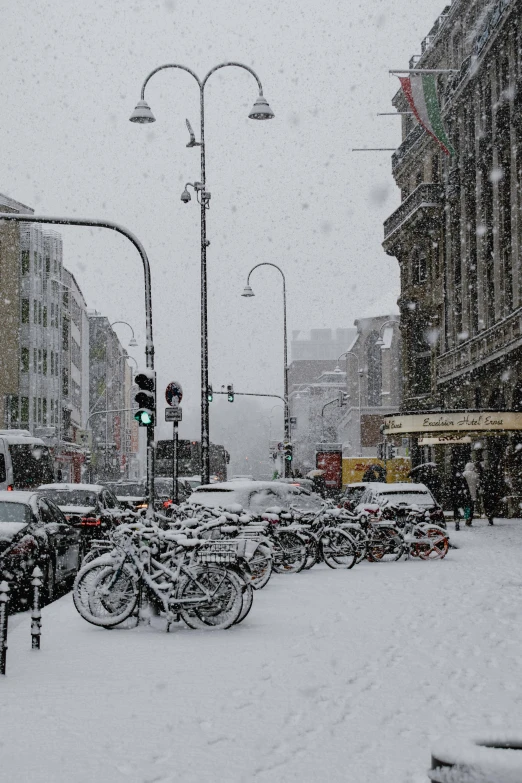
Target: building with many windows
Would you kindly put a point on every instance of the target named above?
(457, 237)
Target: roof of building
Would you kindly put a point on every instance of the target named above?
(15, 206)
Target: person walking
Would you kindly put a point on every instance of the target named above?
(492, 491)
(471, 476)
(460, 496)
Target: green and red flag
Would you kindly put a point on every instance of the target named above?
(421, 94)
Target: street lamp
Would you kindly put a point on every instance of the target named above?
(360, 373)
(132, 342)
(380, 341)
(247, 292)
(142, 114)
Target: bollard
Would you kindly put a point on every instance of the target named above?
(36, 615)
(4, 598)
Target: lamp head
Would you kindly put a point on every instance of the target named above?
(338, 370)
(132, 342)
(261, 109)
(185, 196)
(247, 291)
(380, 342)
(142, 113)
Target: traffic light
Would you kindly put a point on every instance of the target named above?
(288, 452)
(230, 392)
(210, 393)
(343, 398)
(145, 398)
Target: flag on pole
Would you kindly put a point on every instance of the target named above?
(421, 94)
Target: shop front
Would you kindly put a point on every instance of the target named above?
(491, 440)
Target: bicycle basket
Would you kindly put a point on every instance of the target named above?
(222, 552)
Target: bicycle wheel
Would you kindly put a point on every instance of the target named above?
(385, 544)
(312, 555)
(225, 605)
(248, 598)
(339, 549)
(359, 538)
(290, 553)
(438, 547)
(105, 595)
(261, 566)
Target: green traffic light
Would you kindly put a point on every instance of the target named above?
(144, 417)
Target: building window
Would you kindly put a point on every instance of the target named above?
(47, 265)
(374, 360)
(25, 360)
(52, 411)
(44, 410)
(25, 262)
(419, 266)
(39, 361)
(435, 171)
(34, 409)
(45, 362)
(39, 410)
(418, 179)
(25, 311)
(24, 413)
(35, 361)
(39, 312)
(65, 382)
(44, 316)
(35, 312)
(65, 334)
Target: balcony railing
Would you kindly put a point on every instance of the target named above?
(424, 196)
(411, 139)
(485, 346)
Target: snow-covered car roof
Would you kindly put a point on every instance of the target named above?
(72, 487)
(241, 492)
(12, 436)
(401, 486)
(28, 498)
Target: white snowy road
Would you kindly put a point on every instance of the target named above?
(334, 676)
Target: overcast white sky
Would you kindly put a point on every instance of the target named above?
(288, 191)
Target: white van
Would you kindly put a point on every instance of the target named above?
(25, 462)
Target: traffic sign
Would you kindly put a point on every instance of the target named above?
(173, 394)
(293, 421)
(173, 414)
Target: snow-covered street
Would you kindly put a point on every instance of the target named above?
(338, 676)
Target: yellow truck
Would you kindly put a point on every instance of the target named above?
(396, 469)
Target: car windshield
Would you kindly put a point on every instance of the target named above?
(127, 490)
(32, 465)
(70, 497)
(14, 512)
(408, 497)
(354, 493)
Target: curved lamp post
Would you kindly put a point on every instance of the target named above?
(380, 341)
(142, 114)
(360, 373)
(132, 342)
(248, 292)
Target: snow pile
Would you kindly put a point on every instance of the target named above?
(495, 759)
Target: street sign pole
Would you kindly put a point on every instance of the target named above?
(175, 462)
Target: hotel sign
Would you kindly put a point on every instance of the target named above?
(461, 421)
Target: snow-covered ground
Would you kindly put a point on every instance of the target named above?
(334, 676)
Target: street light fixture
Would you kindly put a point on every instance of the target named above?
(380, 342)
(249, 293)
(132, 342)
(142, 114)
(360, 373)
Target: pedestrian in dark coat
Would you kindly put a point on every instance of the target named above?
(492, 488)
(460, 496)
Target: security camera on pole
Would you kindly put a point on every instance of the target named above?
(174, 395)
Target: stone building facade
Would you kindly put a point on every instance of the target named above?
(458, 230)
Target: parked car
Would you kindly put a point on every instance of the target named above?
(25, 462)
(91, 506)
(352, 495)
(306, 483)
(379, 495)
(33, 531)
(193, 481)
(129, 494)
(164, 492)
(255, 496)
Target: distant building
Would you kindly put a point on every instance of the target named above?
(320, 344)
(373, 384)
(109, 390)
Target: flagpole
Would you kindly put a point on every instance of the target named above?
(373, 149)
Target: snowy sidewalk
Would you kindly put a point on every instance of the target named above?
(334, 676)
